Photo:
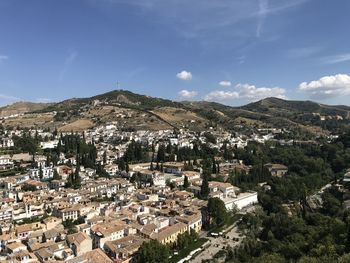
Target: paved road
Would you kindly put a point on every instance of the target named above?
(217, 244)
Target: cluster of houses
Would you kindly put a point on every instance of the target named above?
(107, 219)
(112, 218)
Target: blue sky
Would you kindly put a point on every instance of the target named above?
(230, 51)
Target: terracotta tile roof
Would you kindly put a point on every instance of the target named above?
(107, 228)
(94, 256)
(77, 238)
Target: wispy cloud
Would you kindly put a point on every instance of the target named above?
(336, 59)
(263, 8)
(71, 57)
(283, 5)
(3, 57)
(198, 18)
(241, 59)
(303, 52)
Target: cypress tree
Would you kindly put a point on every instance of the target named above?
(186, 183)
(205, 186)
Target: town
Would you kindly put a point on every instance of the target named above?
(102, 193)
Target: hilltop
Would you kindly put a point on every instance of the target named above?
(135, 111)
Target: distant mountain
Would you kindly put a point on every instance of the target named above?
(21, 107)
(134, 111)
(289, 107)
(122, 98)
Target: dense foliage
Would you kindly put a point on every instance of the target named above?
(152, 252)
(292, 226)
(26, 143)
(217, 212)
(185, 239)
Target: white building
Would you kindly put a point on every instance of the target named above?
(5, 162)
(242, 200)
(227, 189)
(7, 143)
(159, 180)
(47, 173)
(49, 144)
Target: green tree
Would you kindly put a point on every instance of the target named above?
(186, 183)
(161, 153)
(272, 258)
(217, 212)
(344, 259)
(26, 143)
(104, 158)
(56, 176)
(186, 238)
(69, 182)
(40, 172)
(152, 252)
(121, 165)
(127, 167)
(27, 187)
(170, 184)
(205, 187)
(77, 178)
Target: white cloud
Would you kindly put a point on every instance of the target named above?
(246, 92)
(254, 93)
(336, 59)
(327, 86)
(184, 75)
(225, 83)
(221, 95)
(187, 94)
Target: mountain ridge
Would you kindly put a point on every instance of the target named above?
(138, 111)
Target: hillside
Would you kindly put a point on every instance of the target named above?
(21, 107)
(136, 112)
